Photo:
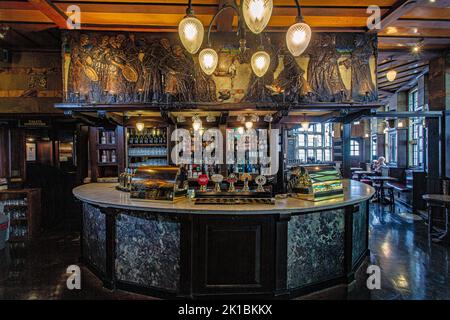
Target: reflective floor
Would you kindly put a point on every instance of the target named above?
(410, 268)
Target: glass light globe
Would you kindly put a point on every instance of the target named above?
(257, 14)
(249, 125)
(260, 63)
(391, 75)
(305, 125)
(196, 125)
(297, 38)
(208, 59)
(191, 33)
(140, 125)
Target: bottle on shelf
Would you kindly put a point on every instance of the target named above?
(113, 137)
(145, 140)
(103, 157)
(131, 137)
(136, 138)
(103, 138)
(152, 138)
(113, 156)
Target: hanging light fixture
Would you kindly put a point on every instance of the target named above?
(257, 14)
(260, 63)
(140, 124)
(304, 123)
(298, 35)
(208, 59)
(191, 31)
(196, 123)
(248, 125)
(391, 74)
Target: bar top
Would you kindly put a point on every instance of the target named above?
(105, 195)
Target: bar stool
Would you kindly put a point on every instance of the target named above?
(440, 201)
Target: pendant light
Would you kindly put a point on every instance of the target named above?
(191, 31)
(257, 14)
(298, 35)
(140, 124)
(208, 59)
(304, 123)
(196, 123)
(260, 63)
(391, 74)
(249, 125)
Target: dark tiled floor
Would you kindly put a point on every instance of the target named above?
(410, 269)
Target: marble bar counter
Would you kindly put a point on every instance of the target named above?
(181, 250)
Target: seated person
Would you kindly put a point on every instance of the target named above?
(381, 163)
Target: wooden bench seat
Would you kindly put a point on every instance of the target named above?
(397, 186)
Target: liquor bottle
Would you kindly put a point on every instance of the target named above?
(131, 137)
(164, 136)
(113, 156)
(157, 140)
(151, 138)
(103, 156)
(103, 138)
(145, 137)
(136, 138)
(113, 137)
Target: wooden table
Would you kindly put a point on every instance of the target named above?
(381, 179)
(359, 173)
(437, 200)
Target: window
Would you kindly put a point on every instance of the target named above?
(315, 144)
(374, 147)
(392, 156)
(354, 148)
(416, 140)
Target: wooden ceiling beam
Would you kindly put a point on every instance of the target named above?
(395, 12)
(51, 11)
(423, 23)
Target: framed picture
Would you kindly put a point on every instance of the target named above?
(31, 151)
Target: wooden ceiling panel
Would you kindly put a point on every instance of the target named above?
(429, 13)
(416, 32)
(304, 3)
(22, 16)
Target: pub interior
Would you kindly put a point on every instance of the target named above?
(212, 149)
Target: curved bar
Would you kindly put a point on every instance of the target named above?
(105, 195)
(180, 250)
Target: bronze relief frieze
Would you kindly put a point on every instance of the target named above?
(143, 68)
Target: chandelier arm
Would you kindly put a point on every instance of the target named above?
(299, 11)
(225, 6)
(189, 10)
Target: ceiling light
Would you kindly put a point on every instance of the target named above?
(268, 118)
(196, 122)
(254, 118)
(257, 14)
(391, 75)
(140, 124)
(249, 125)
(260, 63)
(304, 123)
(191, 31)
(208, 59)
